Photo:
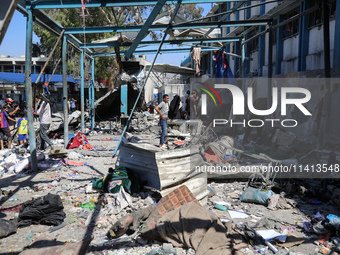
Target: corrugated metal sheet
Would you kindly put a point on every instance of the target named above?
(165, 170)
(6, 13)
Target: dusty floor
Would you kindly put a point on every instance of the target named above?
(70, 183)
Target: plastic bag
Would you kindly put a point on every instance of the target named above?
(258, 196)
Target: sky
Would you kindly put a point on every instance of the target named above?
(13, 43)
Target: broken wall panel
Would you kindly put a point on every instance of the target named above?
(108, 106)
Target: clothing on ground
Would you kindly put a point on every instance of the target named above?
(192, 226)
(47, 210)
(7, 228)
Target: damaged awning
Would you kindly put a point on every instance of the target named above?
(166, 68)
(161, 19)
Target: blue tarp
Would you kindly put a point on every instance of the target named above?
(20, 78)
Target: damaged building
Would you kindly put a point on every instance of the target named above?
(250, 159)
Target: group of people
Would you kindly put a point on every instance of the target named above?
(10, 125)
(71, 104)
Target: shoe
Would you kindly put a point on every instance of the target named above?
(164, 147)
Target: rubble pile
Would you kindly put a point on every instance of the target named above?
(105, 205)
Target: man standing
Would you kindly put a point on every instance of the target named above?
(163, 109)
(12, 111)
(44, 113)
(73, 105)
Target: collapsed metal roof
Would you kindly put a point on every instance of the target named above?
(166, 68)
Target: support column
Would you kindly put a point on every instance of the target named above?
(82, 90)
(336, 57)
(228, 31)
(270, 53)
(261, 51)
(29, 90)
(279, 46)
(124, 99)
(326, 102)
(243, 65)
(303, 37)
(236, 60)
(65, 90)
(92, 97)
(270, 67)
(262, 43)
(326, 40)
(248, 15)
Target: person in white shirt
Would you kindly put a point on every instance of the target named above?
(44, 112)
(163, 111)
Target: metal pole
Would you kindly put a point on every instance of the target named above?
(82, 90)
(146, 78)
(229, 12)
(270, 65)
(326, 102)
(243, 66)
(29, 94)
(90, 97)
(326, 44)
(55, 68)
(65, 91)
(93, 110)
(270, 51)
(49, 57)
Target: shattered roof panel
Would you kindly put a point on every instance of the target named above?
(166, 68)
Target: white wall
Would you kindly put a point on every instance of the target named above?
(315, 57)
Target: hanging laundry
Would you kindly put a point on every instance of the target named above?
(196, 56)
(222, 66)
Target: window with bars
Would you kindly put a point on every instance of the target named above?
(253, 44)
(316, 17)
(291, 28)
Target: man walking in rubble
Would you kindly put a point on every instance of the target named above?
(163, 109)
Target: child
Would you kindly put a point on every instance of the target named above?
(4, 128)
(22, 128)
(46, 91)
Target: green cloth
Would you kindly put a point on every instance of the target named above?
(117, 177)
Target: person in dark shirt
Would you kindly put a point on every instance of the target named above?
(12, 111)
(4, 117)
